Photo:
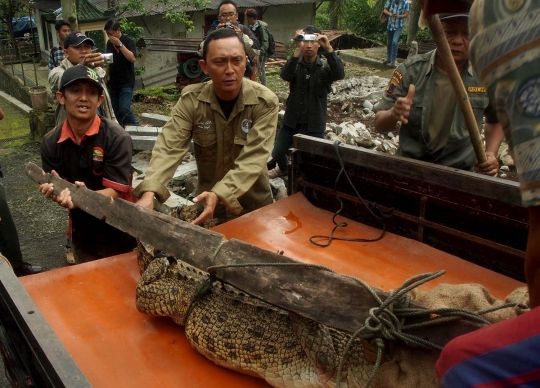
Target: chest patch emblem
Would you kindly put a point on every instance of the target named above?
(97, 154)
(204, 125)
(247, 125)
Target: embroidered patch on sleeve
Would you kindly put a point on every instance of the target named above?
(396, 79)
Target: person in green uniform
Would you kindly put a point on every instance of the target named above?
(433, 128)
(232, 122)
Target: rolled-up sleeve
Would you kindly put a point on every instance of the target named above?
(171, 146)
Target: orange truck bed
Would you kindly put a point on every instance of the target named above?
(91, 307)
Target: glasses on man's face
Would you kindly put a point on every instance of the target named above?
(227, 15)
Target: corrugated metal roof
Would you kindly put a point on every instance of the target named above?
(153, 8)
(90, 11)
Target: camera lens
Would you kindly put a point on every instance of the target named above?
(300, 37)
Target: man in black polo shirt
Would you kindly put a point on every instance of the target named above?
(89, 151)
(121, 72)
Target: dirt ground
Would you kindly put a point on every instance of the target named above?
(41, 223)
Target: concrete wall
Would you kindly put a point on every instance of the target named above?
(283, 21)
(12, 86)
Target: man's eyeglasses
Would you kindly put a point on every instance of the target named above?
(227, 15)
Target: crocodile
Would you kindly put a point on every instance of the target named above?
(240, 332)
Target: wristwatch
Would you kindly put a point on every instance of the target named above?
(120, 45)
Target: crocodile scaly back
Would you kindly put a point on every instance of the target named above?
(245, 334)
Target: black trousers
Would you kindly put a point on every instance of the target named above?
(9, 238)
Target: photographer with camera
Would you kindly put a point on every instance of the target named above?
(310, 78)
(121, 72)
(228, 18)
(78, 50)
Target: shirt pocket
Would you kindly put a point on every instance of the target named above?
(205, 138)
(479, 102)
(414, 124)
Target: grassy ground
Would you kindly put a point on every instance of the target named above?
(15, 124)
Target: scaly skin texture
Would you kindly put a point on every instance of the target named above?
(247, 335)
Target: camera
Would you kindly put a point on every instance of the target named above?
(108, 58)
(307, 37)
(229, 25)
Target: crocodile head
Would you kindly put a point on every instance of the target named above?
(168, 288)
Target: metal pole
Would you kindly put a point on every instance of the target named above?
(34, 41)
(12, 59)
(22, 68)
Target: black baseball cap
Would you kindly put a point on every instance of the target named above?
(80, 73)
(76, 38)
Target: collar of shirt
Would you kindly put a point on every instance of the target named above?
(67, 133)
(247, 95)
(254, 26)
(432, 63)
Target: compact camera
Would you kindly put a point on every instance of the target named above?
(108, 58)
(307, 37)
(229, 25)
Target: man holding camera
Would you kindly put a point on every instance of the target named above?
(78, 50)
(228, 18)
(310, 78)
(121, 72)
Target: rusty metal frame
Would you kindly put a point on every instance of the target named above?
(46, 361)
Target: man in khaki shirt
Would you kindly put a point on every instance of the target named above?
(232, 122)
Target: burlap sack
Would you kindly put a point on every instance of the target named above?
(409, 367)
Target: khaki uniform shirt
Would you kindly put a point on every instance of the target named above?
(414, 137)
(231, 153)
(55, 76)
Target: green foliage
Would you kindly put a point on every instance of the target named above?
(131, 29)
(172, 10)
(424, 35)
(139, 70)
(169, 94)
(322, 17)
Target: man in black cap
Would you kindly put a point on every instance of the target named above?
(421, 96)
(78, 50)
(89, 151)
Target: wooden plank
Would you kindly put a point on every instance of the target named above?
(451, 178)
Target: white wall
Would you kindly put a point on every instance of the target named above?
(283, 21)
